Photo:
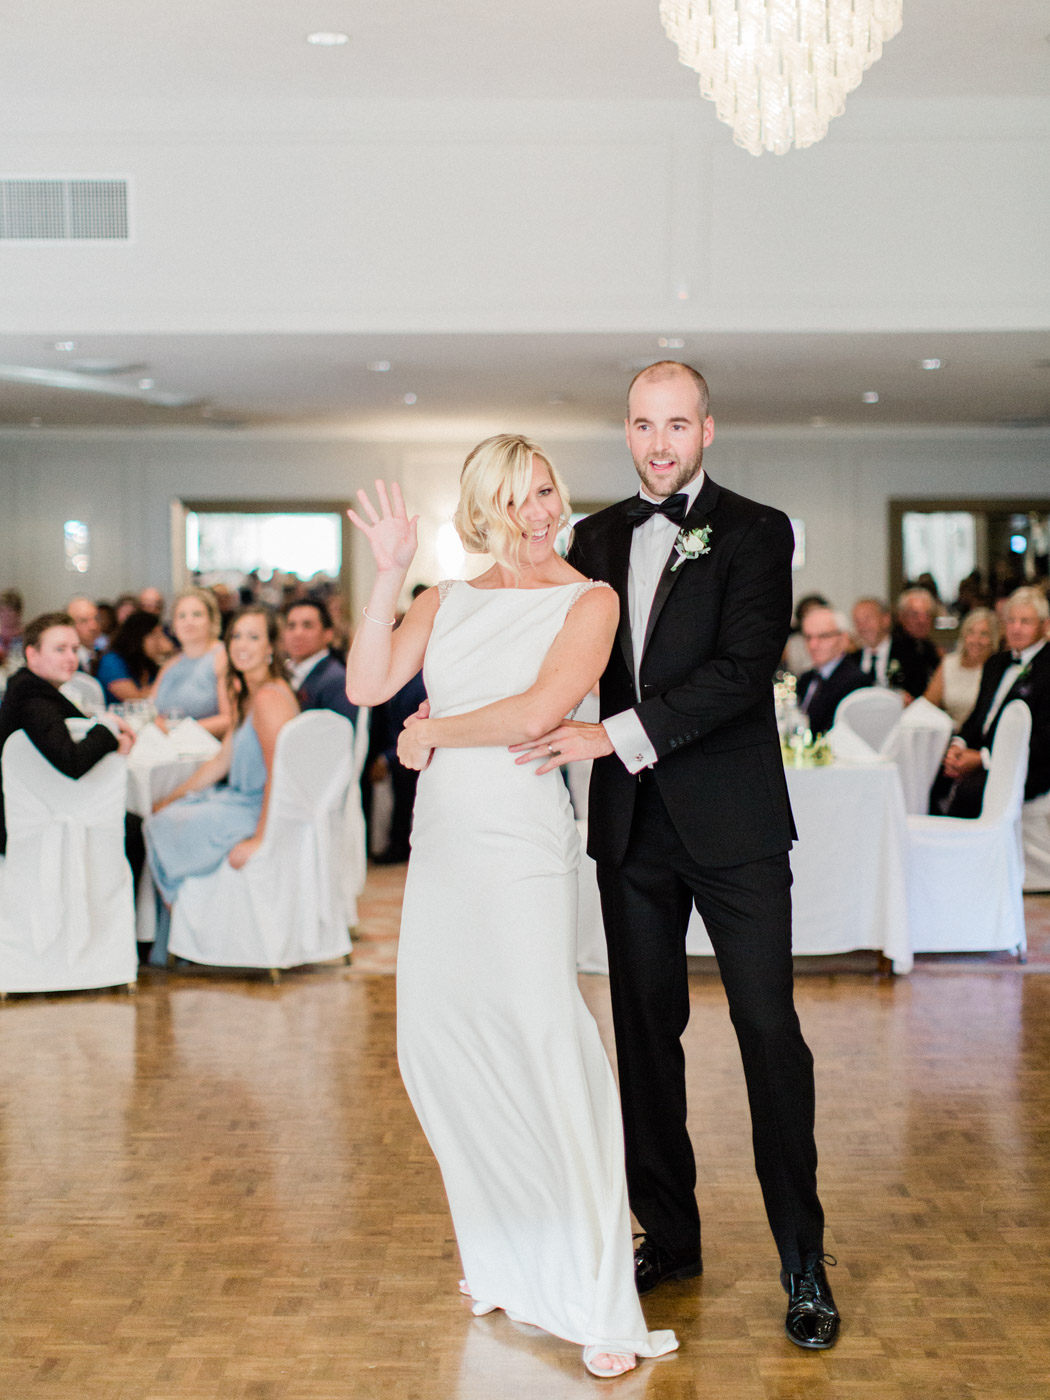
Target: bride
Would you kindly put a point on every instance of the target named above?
(498, 1052)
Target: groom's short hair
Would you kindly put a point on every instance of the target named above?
(668, 369)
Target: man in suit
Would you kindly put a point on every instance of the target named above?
(689, 805)
(318, 676)
(913, 656)
(873, 623)
(834, 674)
(85, 619)
(1022, 672)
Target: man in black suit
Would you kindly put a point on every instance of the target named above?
(835, 674)
(913, 655)
(318, 675)
(689, 805)
(1022, 672)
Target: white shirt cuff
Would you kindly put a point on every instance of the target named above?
(986, 758)
(109, 722)
(628, 737)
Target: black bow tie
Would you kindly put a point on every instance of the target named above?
(1016, 657)
(674, 507)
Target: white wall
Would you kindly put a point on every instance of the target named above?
(547, 216)
(122, 485)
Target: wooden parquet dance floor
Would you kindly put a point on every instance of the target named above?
(217, 1189)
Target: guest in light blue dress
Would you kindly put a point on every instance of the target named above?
(219, 812)
(194, 682)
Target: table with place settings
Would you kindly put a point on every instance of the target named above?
(848, 868)
(159, 762)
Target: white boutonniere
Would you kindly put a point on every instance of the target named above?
(690, 544)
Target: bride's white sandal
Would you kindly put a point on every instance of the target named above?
(478, 1309)
(622, 1362)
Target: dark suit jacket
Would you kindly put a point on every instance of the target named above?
(846, 677)
(916, 662)
(715, 636)
(325, 688)
(1034, 689)
(41, 709)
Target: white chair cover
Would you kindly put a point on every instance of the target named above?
(354, 857)
(67, 920)
(1035, 832)
(916, 744)
(965, 877)
(870, 713)
(85, 692)
(285, 907)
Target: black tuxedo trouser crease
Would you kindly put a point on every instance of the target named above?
(646, 904)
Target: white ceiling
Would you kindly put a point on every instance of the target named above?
(64, 61)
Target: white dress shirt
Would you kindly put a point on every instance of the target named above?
(651, 546)
(878, 658)
(1005, 686)
(302, 669)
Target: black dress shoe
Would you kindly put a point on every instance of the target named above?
(812, 1318)
(653, 1266)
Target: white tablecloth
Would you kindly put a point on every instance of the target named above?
(848, 867)
(159, 762)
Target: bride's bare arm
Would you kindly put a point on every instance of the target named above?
(381, 659)
(573, 664)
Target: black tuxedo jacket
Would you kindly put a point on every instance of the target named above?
(916, 662)
(40, 708)
(715, 635)
(1034, 690)
(846, 677)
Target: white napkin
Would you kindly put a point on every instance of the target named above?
(192, 740)
(848, 747)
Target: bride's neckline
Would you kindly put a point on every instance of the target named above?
(544, 588)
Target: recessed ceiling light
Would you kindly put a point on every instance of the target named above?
(671, 342)
(410, 398)
(870, 397)
(818, 422)
(66, 346)
(36, 422)
(379, 366)
(328, 38)
(147, 383)
(930, 364)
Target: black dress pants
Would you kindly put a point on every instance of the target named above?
(747, 909)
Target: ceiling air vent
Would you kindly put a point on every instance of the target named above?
(63, 210)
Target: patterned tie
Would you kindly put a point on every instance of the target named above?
(674, 507)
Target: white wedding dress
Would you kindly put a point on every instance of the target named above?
(500, 1056)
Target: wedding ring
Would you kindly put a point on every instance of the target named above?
(554, 753)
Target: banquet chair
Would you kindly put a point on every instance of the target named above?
(85, 692)
(1035, 836)
(285, 907)
(917, 744)
(354, 854)
(964, 877)
(870, 713)
(67, 919)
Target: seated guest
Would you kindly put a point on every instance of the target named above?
(835, 673)
(872, 625)
(194, 681)
(201, 824)
(10, 625)
(1022, 672)
(912, 647)
(129, 666)
(318, 676)
(395, 712)
(125, 605)
(796, 658)
(85, 620)
(107, 623)
(152, 600)
(957, 679)
(33, 702)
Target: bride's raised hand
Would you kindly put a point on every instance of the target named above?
(391, 534)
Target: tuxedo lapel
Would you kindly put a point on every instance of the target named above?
(696, 519)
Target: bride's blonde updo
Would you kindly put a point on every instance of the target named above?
(497, 475)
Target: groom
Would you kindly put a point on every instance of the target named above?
(689, 806)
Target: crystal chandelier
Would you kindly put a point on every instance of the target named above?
(779, 70)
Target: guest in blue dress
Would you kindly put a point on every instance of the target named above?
(207, 820)
(194, 681)
(129, 666)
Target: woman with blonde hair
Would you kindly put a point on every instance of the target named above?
(954, 685)
(193, 682)
(499, 1054)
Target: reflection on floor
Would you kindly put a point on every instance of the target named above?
(217, 1189)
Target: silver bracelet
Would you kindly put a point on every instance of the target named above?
(376, 619)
